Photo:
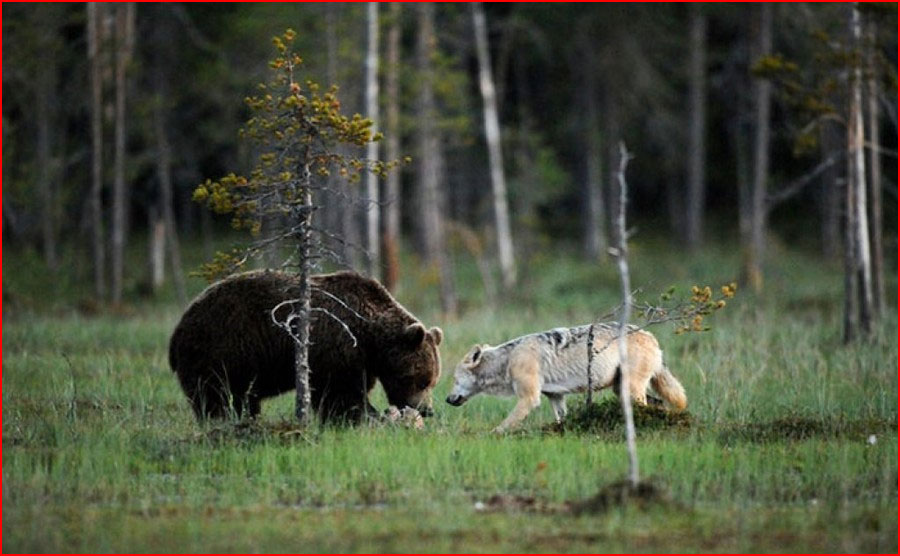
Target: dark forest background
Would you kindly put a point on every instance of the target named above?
(737, 116)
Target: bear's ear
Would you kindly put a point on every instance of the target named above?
(437, 334)
(413, 335)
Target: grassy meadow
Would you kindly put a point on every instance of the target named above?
(792, 444)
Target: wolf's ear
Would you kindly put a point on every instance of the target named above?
(474, 356)
(437, 335)
(413, 335)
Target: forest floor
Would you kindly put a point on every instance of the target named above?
(791, 444)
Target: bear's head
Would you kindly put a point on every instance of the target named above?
(411, 367)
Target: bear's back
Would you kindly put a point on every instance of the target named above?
(365, 296)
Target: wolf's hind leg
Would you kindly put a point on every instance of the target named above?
(558, 403)
(637, 387)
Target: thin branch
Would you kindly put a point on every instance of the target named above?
(339, 321)
(337, 238)
(880, 149)
(192, 32)
(796, 186)
(340, 302)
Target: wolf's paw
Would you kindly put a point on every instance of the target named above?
(498, 430)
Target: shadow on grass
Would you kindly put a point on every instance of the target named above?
(796, 428)
(253, 431)
(606, 417)
(619, 494)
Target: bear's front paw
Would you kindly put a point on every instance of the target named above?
(408, 417)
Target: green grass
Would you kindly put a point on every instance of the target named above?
(101, 452)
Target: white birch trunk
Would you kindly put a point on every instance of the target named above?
(391, 242)
(875, 221)
(157, 250)
(495, 151)
(373, 209)
(856, 138)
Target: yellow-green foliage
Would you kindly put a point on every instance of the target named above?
(688, 316)
(294, 128)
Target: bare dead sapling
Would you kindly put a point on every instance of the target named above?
(687, 315)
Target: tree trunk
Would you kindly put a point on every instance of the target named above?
(45, 108)
(47, 17)
(157, 249)
(303, 399)
(373, 208)
(343, 208)
(124, 43)
(742, 171)
(164, 161)
(392, 152)
(612, 134)
(851, 280)
(875, 220)
(495, 151)
(622, 261)
(428, 243)
(594, 213)
(830, 196)
(97, 233)
(449, 302)
(431, 243)
(331, 215)
(763, 97)
(696, 178)
(857, 182)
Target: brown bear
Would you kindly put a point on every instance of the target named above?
(229, 354)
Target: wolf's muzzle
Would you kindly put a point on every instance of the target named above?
(456, 399)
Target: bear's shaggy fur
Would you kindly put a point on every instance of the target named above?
(227, 351)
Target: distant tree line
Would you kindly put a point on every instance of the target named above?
(743, 119)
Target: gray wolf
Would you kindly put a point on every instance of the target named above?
(554, 363)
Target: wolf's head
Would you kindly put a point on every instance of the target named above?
(478, 370)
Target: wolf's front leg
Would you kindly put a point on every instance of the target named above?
(524, 371)
(518, 414)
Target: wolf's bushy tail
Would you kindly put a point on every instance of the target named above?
(667, 386)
